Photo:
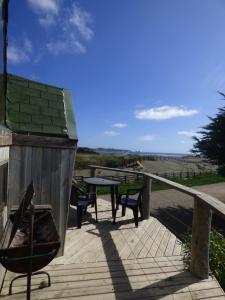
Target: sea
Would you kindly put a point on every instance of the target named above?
(128, 152)
(162, 154)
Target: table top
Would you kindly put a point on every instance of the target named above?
(101, 181)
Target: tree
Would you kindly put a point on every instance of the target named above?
(211, 144)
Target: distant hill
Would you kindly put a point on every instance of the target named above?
(112, 151)
(122, 152)
(100, 150)
(86, 150)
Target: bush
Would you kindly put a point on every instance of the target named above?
(112, 161)
(83, 160)
(216, 254)
(221, 170)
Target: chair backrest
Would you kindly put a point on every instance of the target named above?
(134, 191)
(76, 193)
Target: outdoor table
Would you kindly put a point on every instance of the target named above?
(113, 184)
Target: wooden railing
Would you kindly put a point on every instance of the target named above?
(169, 175)
(202, 215)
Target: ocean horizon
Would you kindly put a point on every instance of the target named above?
(164, 154)
(130, 152)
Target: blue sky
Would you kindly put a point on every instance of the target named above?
(144, 74)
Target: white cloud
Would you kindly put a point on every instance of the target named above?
(188, 133)
(146, 138)
(111, 133)
(56, 47)
(44, 6)
(71, 46)
(16, 55)
(19, 54)
(47, 10)
(79, 48)
(28, 45)
(119, 125)
(81, 19)
(164, 113)
(73, 30)
(47, 20)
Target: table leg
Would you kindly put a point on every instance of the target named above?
(113, 204)
(95, 204)
(117, 195)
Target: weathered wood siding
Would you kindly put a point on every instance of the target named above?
(4, 157)
(51, 171)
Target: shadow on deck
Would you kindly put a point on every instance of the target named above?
(106, 261)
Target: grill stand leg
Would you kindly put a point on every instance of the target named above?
(30, 244)
(33, 274)
(28, 285)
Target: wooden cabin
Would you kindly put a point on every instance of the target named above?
(37, 142)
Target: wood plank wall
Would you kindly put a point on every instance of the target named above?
(4, 157)
(51, 170)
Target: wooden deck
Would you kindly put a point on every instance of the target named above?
(105, 261)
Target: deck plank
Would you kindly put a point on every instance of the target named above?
(111, 262)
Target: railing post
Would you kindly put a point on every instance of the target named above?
(201, 227)
(146, 197)
(92, 172)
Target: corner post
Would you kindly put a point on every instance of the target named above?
(146, 197)
(201, 227)
(92, 171)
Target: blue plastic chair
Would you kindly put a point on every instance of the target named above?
(81, 200)
(135, 203)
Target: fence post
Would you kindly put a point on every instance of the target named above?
(146, 197)
(92, 172)
(201, 227)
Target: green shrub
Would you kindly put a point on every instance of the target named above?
(216, 254)
(83, 160)
(221, 170)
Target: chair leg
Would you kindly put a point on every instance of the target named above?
(141, 211)
(117, 203)
(93, 197)
(114, 219)
(135, 212)
(79, 216)
(96, 209)
(123, 210)
(117, 198)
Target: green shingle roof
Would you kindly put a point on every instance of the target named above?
(34, 107)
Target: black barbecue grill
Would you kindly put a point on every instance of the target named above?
(30, 240)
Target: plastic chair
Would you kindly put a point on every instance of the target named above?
(81, 200)
(129, 200)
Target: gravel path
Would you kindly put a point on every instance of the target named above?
(175, 209)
